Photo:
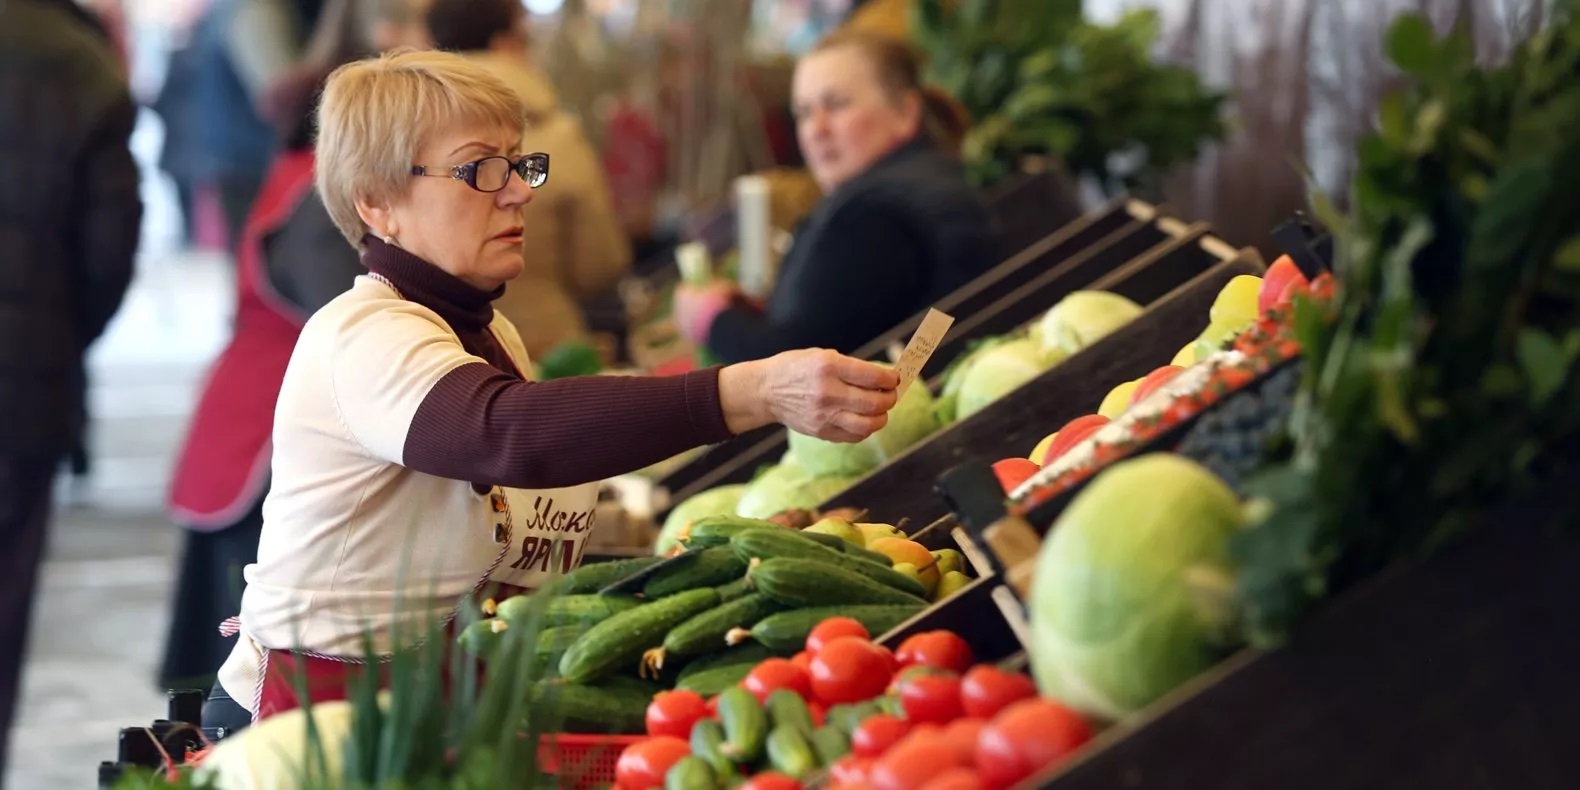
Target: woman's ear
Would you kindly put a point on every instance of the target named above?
(378, 217)
(911, 113)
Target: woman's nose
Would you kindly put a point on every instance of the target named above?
(515, 194)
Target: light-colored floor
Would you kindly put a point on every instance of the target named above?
(104, 593)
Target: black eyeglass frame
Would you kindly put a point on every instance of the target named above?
(522, 167)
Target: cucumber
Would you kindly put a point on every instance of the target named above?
(829, 744)
(710, 568)
(846, 547)
(787, 631)
(786, 708)
(707, 742)
(623, 638)
(802, 582)
(846, 718)
(551, 643)
(481, 638)
(705, 632)
(595, 576)
(789, 751)
(778, 544)
(713, 681)
(739, 588)
(594, 709)
(718, 530)
(564, 609)
(750, 653)
(691, 773)
(745, 724)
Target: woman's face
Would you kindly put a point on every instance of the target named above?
(844, 118)
(475, 236)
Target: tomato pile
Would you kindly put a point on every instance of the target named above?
(852, 714)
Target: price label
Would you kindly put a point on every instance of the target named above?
(931, 333)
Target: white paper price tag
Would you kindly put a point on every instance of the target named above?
(923, 343)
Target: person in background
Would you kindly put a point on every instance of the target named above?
(69, 222)
(899, 225)
(575, 245)
(291, 261)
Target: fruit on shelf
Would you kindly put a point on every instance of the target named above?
(788, 486)
(1232, 439)
(949, 560)
(1282, 281)
(999, 370)
(839, 528)
(1073, 433)
(1236, 304)
(950, 583)
(1117, 400)
(1011, 472)
(1041, 449)
(907, 550)
(1081, 319)
(1152, 381)
(873, 531)
(1156, 530)
(1186, 356)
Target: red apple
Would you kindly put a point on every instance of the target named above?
(1277, 283)
(1012, 472)
(1072, 434)
(1153, 380)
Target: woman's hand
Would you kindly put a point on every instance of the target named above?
(816, 392)
(697, 305)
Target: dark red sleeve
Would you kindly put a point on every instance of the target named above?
(483, 426)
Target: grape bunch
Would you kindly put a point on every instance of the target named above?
(1232, 438)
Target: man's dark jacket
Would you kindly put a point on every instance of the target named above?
(69, 214)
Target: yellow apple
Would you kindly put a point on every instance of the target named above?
(1041, 449)
(1118, 399)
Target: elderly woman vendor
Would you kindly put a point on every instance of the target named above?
(414, 460)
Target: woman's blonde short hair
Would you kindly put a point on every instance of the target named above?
(375, 114)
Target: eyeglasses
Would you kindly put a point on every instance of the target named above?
(491, 174)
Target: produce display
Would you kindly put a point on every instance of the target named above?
(813, 471)
(608, 636)
(848, 713)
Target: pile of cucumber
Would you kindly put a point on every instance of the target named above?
(746, 590)
(776, 735)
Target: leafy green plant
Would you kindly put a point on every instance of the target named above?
(1039, 80)
(1447, 370)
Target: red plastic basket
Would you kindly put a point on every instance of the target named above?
(582, 762)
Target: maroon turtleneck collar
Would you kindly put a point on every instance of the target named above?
(467, 310)
(463, 307)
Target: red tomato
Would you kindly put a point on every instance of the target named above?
(851, 769)
(888, 658)
(1012, 472)
(907, 673)
(770, 780)
(849, 669)
(986, 690)
(914, 761)
(643, 764)
(1072, 434)
(1025, 738)
(955, 779)
(933, 698)
(803, 660)
(778, 673)
(831, 629)
(876, 733)
(673, 713)
(936, 649)
(818, 710)
(962, 735)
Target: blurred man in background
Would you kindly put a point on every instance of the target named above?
(69, 218)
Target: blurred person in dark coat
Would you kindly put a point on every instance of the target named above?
(69, 219)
